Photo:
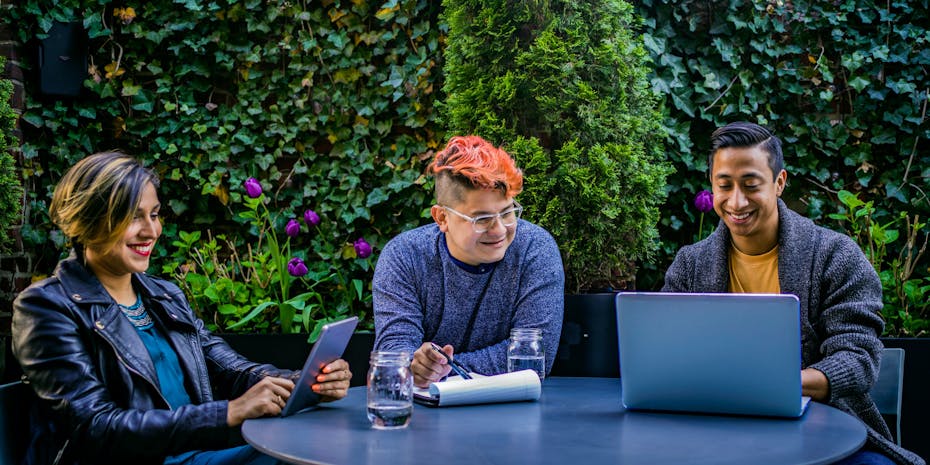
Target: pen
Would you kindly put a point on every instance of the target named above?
(456, 366)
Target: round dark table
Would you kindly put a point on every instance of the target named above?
(577, 420)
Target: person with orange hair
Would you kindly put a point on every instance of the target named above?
(464, 281)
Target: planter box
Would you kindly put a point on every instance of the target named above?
(291, 350)
(915, 408)
(588, 345)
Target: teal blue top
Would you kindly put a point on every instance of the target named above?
(167, 365)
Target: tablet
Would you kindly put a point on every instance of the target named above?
(329, 347)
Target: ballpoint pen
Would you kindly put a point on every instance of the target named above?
(456, 366)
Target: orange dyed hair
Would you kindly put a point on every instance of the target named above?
(470, 162)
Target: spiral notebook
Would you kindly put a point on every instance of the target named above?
(508, 387)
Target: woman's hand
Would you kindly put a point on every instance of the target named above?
(333, 383)
(266, 397)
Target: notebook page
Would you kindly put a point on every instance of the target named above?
(507, 387)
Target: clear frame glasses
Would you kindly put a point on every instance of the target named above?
(482, 223)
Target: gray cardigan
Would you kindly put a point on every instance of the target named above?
(841, 302)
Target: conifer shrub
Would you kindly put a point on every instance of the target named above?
(10, 187)
(562, 86)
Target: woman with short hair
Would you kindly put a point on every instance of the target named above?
(124, 371)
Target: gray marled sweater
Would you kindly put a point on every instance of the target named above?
(420, 294)
(841, 300)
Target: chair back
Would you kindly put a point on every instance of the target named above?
(888, 389)
(15, 401)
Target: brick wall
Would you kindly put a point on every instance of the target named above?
(15, 268)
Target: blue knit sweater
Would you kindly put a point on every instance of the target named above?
(421, 294)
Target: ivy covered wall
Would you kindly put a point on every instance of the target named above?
(331, 106)
(328, 104)
(843, 83)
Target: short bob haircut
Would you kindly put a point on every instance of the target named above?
(97, 198)
(472, 163)
(746, 135)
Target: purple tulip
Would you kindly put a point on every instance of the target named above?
(362, 248)
(704, 201)
(311, 218)
(293, 228)
(253, 188)
(296, 267)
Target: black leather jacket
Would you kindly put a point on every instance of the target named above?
(97, 383)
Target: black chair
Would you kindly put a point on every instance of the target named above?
(888, 388)
(15, 401)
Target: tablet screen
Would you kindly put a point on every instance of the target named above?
(333, 340)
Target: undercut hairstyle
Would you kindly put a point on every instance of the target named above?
(472, 163)
(742, 134)
(97, 198)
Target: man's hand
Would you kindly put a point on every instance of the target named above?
(815, 384)
(428, 366)
(333, 383)
(266, 397)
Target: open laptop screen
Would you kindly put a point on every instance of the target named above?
(710, 353)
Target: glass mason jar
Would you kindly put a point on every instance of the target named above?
(526, 352)
(390, 390)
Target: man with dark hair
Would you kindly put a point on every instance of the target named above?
(474, 274)
(761, 246)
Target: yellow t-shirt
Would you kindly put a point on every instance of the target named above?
(756, 274)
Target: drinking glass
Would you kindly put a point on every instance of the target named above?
(390, 390)
(526, 352)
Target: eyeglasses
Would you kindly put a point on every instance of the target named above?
(482, 223)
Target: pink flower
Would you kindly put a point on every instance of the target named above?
(362, 248)
(253, 188)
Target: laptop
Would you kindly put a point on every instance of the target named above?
(711, 353)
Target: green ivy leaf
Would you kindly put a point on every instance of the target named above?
(130, 89)
(858, 83)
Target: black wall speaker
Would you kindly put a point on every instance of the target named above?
(63, 59)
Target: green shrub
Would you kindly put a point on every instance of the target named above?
(562, 86)
(329, 103)
(11, 193)
(906, 296)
